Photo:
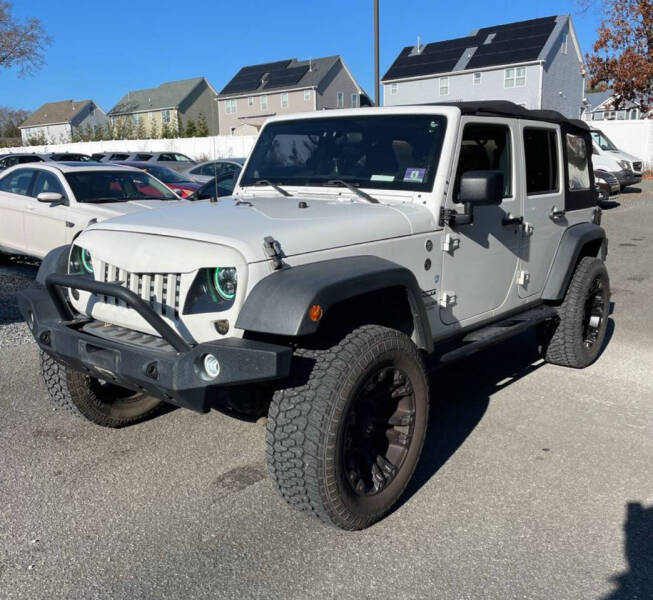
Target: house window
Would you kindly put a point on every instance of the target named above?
(563, 47)
(477, 79)
(165, 117)
(633, 114)
(577, 163)
(340, 100)
(444, 86)
(250, 101)
(264, 102)
(514, 77)
(393, 89)
(230, 107)
(354, 100)
(541, 150)
(307, 95)
(284, 100)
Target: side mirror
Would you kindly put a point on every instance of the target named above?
(481, 188)
(53, 198)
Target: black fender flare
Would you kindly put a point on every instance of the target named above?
(570, 249)
(55, 261)
(278, 304)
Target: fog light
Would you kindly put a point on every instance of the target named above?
(211, 366)
(222, 326)
(75, 293)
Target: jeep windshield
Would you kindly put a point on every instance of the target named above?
(395, 152)
(116, 186)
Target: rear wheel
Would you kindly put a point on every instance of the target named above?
(344, 438)
(577, 339)
(95, 400)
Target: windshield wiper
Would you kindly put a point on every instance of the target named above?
(352, 188)
(274, 185)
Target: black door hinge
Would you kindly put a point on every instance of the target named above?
(273, 250)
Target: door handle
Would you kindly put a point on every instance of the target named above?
(512, 221)
(556, 213)
(70, 224)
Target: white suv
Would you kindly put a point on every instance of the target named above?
(44, 205)
(359, 243)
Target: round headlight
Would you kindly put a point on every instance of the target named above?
(87, 264)
(225, 280)
(80, 261)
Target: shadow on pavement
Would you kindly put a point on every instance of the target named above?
(460, 395)
(16, 273)
(637, 581)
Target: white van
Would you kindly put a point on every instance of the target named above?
(605, 155)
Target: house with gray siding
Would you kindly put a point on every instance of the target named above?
(536, 64)
(258, 92)
(170, 105)
(602, 106)
(59, 122)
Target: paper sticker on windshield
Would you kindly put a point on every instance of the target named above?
(414, 175)
(382, 178)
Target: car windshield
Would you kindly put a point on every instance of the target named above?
(399, 152)
(603, 141)
(164, 174)
(116, 186)
(223, 185)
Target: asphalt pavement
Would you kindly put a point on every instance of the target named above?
(536, 481)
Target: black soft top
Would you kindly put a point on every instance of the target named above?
(504, 108)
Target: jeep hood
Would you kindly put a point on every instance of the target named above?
(243, 225)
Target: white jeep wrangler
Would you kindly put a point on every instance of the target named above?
(357, 244)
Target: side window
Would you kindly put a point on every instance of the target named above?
(166, 157)
(212, 169)
(485, 147)
(46, 182)
(17, 182)
(577, 163)
(541, 149)
(181, 158)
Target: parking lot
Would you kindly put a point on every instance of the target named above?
(536, 481)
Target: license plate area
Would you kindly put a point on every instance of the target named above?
(103, 359)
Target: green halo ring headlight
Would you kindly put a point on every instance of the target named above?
(85, 257)
(225, 280)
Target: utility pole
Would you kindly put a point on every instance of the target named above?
(376, 53)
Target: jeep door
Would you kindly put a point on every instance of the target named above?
(46, 224)
(480, 259)
(14, 200)
(543, 196)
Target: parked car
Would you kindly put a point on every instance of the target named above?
(172, 160)
(206, 171)
(69, 157)
(218, 187)
(319, 289)
(98, 156)
(179, 184)
(44, 205)
(19, 158)
(630, 167)
(607, 181)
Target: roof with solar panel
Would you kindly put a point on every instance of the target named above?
(280, 75)
(499, 45)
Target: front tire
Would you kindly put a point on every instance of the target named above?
(577, 339)
(343, 440)
(89, 398)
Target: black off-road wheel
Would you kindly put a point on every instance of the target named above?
(577, 339)
(95, 400)
(343, 439)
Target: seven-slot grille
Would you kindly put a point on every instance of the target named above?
(160, 290)
(637, 166)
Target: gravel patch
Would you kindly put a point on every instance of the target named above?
(16, 273)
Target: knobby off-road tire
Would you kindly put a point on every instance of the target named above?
(86, 397)
(344, 437)
(576, 340)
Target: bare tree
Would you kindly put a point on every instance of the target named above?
(21, 43)
(623, 51)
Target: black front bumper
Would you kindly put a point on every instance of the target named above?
(169, 368)
(627, 177)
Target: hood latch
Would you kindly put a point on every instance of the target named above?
(273, 249)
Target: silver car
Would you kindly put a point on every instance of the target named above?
(206, 171)
(172, 160)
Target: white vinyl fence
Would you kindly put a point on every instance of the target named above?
(634, 137)
(218, 146)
